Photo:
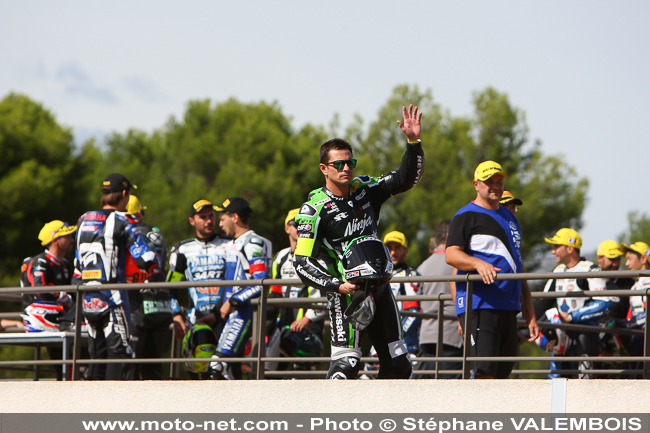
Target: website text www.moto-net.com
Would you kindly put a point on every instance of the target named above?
(503, 423)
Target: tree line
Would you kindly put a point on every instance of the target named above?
(223, 149)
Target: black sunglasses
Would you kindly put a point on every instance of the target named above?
(291, 223)
(339, 164)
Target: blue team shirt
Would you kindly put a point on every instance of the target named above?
(493, 236)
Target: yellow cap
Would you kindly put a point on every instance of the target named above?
(487, 169)
(638, 247)
(609, 249)
(291, 216)
(568, 237)
(134, 205)
(55, 229)
(507, 197)
(397, 237)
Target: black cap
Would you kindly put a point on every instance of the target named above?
(198, 206)
(116, 182)
(236, 205)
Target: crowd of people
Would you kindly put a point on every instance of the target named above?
(335, 251)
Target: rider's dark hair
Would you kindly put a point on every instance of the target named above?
(441, 232)
(242, 217)
(111, 198)
(333, 144)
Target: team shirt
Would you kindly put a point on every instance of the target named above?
(199, 260)
(581, 309)
(636, 315)
(103, 238)
(45, 269)
(493, 236)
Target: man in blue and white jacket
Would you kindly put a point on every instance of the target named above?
(103, 239)
(248, 257)
(585, 311)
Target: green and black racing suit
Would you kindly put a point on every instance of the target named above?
(326, 224)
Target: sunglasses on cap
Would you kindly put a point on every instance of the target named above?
(64, 226)
(339, 164)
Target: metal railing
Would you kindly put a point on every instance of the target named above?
(258, 358)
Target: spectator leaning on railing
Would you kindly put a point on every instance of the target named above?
(586, 311)
(49, 268)
(248, 257)
(609, 255)
(637, 258)
(485, 238)
(199, 259)
(398, 247)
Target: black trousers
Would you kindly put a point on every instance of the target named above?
(109, 333)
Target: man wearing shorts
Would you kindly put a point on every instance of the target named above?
(485, 239)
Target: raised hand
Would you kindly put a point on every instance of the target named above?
(411, 125)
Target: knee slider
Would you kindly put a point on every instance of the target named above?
(344, 368)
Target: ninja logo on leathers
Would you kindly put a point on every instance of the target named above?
(357, 226)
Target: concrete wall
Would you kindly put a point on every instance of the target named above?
(321, 396)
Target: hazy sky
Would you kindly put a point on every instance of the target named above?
(579, 69)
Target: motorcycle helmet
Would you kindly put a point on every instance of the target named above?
(367, 258)
(42, 316)
(301, 344)
(199, 343)
(366, 261)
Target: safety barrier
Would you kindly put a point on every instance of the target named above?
(259, 320)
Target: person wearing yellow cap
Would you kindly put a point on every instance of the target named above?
(297, 324)
(198, 259)
(510, 201)
(151, 311)
(609, 254)
(637, 258)
(398, 248)
(586, 311)
(485, 238)
(49, 268)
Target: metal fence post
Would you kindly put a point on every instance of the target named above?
(646, 340)
(467, 347)
(439, 342)
(260, 332)
(76, 352)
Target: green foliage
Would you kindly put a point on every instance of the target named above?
(230, 149)
(216, 152)
(638, 228)
(41, 179)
